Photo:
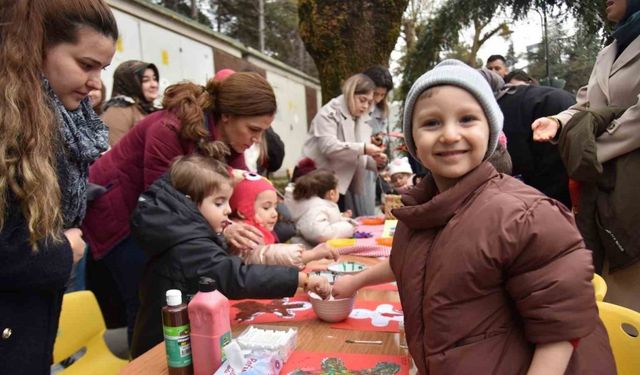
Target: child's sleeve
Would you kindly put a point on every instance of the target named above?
(316, 227)
(236, 280)
(276, 254)
(548, 275)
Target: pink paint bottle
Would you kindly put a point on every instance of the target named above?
(210, 329)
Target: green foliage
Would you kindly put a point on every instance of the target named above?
(184, 7)
(511, 57)
(442, 30)
(570, 58)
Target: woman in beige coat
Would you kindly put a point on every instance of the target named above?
(339, 139)
(614, 82)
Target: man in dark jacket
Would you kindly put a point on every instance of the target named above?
(538, 164)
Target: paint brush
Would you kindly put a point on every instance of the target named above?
(374, 342)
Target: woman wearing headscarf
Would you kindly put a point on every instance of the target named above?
(135, 87)
(614, 83)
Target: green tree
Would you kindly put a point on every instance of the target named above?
(469, 52)
(442, 30)
(346, 37)
(571, 58)
(511, 57)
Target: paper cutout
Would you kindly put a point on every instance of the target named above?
(250, 311)
(373, 316)
(389, 228)
(309, 363)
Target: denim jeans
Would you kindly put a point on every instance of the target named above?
(126, 263)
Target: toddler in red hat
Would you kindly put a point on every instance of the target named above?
(254, 202)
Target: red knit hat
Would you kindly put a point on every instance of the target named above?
(243, 199)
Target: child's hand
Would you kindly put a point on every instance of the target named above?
(242, 237)
(319, 285)
(344, 286)
(347, 214)
(322, 251)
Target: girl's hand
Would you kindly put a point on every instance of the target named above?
(545, 129)
(242, 236)
(319, 285)
(74, 236)
(344, 286)
(347, 214)
(322, 251)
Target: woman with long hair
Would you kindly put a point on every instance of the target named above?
(52, 54)
(339, 139)
(135, 87)
(236, 111)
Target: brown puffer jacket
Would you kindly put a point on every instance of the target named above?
(487, 270)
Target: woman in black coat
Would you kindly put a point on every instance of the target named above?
(51, 57)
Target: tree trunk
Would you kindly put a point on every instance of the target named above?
(194, 9)
(347, 37)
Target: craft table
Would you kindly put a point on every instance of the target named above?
(313, 335)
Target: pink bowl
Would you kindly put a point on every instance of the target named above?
(331, 310)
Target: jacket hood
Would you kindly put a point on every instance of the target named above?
(164, 217)
(299, 208)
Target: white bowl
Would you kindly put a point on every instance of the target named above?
(331, 310)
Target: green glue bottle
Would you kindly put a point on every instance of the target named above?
(175, 324)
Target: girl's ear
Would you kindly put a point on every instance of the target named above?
(240, 215)
(224, 118)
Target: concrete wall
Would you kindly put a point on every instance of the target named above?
(185, 50)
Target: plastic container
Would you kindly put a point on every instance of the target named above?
(210, 329)
(269, 338)
(175, 325)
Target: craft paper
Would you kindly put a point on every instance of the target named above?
(373, 316)
(311, 363)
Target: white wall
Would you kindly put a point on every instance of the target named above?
(182, 52)
(177, 57)
(291, 119)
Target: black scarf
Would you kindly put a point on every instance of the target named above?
(83, 138)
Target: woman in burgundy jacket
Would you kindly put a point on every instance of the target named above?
(236, 110)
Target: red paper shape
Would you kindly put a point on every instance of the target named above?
(251, 311)
(373, 316)
(311, 363)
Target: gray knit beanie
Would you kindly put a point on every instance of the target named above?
(455, 73)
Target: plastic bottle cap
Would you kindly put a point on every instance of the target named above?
(207, 284)
(174, 297)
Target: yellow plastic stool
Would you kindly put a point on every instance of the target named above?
(82, 326)
(600, 287)
(625, 346)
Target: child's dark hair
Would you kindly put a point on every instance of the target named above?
(316, 183)
(198, 176)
